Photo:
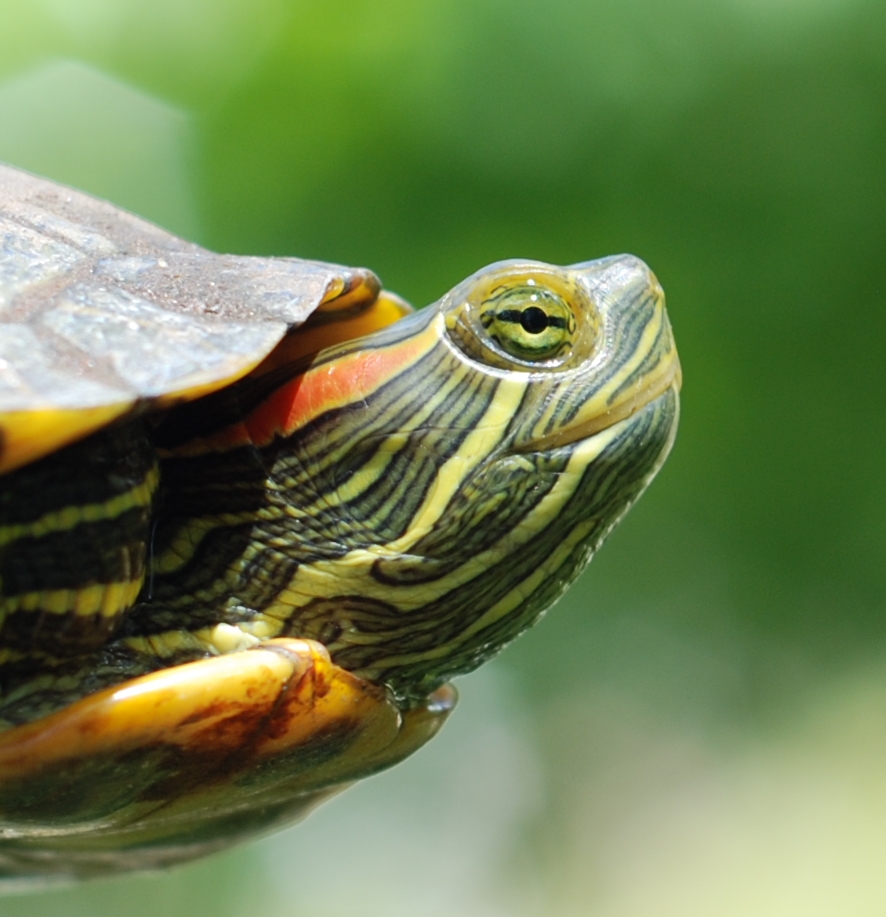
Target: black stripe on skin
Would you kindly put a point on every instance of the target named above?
(104, 466)
(108, 464)
(389, 504)
(105, 551)
(204, 569)
(629, 325)
(649, 362)
(304, 472)
(628, 328)
(607, 487)
(147, 619)
(329, 612)
(514, 490)
(93, 470)
(67, 633)
(392, 499)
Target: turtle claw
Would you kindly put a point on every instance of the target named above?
(193, 758)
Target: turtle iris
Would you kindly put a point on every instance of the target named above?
(529, 322)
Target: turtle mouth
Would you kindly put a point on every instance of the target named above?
(669, 376)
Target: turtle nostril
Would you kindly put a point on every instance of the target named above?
(534, 320)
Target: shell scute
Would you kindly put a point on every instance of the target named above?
(103, 311)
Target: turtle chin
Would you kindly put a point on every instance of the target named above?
(625, 445)
(510, 543)
(600, 477)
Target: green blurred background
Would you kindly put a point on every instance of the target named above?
(700, 727)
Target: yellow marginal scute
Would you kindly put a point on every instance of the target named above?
(315, 336)
(171, 705)
(26, 436)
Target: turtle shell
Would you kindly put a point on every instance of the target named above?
(103, 316)
(102, 312)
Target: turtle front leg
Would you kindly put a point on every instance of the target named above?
(186, 760)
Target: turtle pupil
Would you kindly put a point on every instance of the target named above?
(534, 320)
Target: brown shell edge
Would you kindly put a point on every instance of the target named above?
(59, 389)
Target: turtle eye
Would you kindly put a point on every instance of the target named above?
(523, 316)
(528, 322)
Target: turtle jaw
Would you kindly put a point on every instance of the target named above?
(525, 551)
(647, 430)
(668, 379)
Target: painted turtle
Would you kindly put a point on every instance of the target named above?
(255, 514)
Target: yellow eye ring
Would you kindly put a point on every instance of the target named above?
(523, 316)
(528, 322)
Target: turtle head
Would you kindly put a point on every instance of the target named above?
(583, 347)
(484, 449)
